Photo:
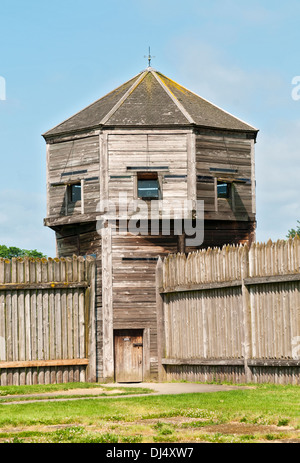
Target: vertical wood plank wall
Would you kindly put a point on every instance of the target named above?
(232, 314)
(47, 320)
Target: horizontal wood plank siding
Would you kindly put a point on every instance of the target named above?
(64, 161)
(147, 150)
(221, 152)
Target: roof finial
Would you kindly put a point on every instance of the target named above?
(149, 58)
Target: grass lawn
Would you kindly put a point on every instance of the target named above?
(261, 413)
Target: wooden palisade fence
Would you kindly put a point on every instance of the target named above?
(231, 314)
(47, 318)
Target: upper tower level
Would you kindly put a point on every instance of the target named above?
(152, 138)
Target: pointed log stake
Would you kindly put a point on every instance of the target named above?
(160, 320)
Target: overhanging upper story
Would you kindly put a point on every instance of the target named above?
(150, 139)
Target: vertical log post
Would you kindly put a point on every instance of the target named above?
(107, 303)
(90, 320)
(160, 320)
(244, 262)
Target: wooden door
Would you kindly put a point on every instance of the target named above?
(128, 356)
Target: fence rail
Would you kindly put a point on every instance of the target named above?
(47, 332)
(231, 313)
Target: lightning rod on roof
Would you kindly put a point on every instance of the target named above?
(149, 57)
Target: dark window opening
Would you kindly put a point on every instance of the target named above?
(224, 190)
(148, 186)
(75, 193)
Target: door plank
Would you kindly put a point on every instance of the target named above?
(129, 356)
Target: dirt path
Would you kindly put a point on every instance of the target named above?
(97, 392)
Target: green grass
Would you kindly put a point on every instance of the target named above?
(50, 388)
(166, 418)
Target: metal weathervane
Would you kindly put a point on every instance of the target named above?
(149, 57)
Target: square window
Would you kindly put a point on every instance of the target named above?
(75, 193)
(148, 186)
(223, 189)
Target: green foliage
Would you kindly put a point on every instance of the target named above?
(12, 251)
(294, 231)
(283, 422)
(163, 428)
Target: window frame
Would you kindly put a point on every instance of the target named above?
(70, 193)
(229, 189)
(231, 192)
(148, 176)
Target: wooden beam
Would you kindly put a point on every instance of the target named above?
(44, 363)
(272, 279)
(191, 168)
(103, 166)
(201, 287)
(216, 362)
(107, 305)
(82, 196)
(36, 286)
(71, 219)
(274, 363)
(234, 362)
(230, 284)
(216, 193)
(91, 348)
(161, 342)
(146, 355)
(253, 186)
(66, 183)
(229, 216)
(47, 177)
(246, 319)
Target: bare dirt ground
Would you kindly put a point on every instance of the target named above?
(146, 428)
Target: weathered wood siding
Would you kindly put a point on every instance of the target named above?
(76, 159)
(225, 152)
(155, 150)
(232, 314)
(134, 261)
(107, 162)
(218, 233)
(47, 321)
(84, 240)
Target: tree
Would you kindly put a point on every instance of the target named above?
(17, 252)
(293, 232)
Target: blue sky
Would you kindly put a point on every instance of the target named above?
(59, 56)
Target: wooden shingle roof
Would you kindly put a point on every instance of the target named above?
(150, 99)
